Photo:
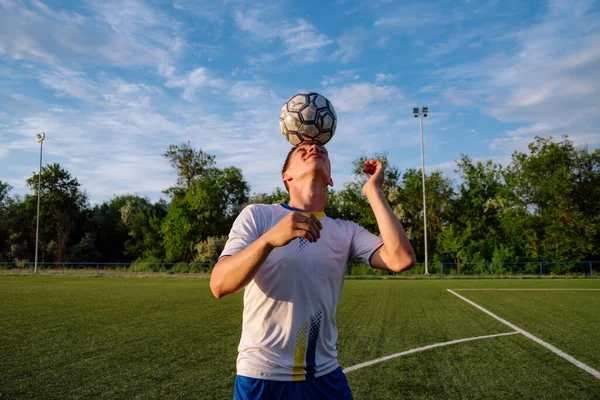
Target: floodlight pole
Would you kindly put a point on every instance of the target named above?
(423, 113)
(41, 138)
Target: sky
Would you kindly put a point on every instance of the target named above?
(114, 83)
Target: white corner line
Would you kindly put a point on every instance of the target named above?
(572, 289)
(418, 349)
(553, 349)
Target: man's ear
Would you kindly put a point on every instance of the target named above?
(286, 177)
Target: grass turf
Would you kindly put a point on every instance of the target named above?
(114, 337)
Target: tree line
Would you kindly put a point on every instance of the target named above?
(543, 206)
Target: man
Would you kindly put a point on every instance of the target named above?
(291, 259)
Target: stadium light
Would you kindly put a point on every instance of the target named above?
(40, 137)
(423, 113)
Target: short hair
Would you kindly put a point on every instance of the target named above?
(286, 164)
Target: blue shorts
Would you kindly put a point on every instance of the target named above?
(332, 386)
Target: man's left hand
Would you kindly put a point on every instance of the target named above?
(375, 169)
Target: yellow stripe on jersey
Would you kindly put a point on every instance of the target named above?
(299, 372)
(319, 214)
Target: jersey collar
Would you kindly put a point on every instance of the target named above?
(318, 214)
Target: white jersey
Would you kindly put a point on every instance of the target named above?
(289, 331)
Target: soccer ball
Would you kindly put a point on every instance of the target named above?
(307, 117)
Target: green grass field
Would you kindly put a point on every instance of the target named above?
(167, 337)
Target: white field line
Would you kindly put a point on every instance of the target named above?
(553, 349)
(583, 289)
(418, 349)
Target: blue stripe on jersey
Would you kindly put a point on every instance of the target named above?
(311, 348)
(286, 205)
(373, 253)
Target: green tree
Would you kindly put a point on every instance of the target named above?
(127, 228)
(5, 188)
(86, 249)
(63, 211)
(209, 250)
(407, 202)
(189, 163)
(179, 231)
(207, 208)
(110, 233)
(553, 192)
(473, 232)
(143, 221)
(278, 196)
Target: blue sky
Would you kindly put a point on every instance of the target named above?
(113, 83)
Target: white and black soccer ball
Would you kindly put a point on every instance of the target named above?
(307, 116)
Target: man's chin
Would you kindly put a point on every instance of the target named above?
(319, 172)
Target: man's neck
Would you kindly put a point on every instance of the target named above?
(310, 197)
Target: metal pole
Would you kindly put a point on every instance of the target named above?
(37, 225)
(424, 202)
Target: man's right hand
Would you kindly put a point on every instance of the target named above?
(296, 224)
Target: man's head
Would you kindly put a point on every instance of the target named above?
(307, 161)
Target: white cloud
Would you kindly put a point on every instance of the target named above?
(261, 59)
(194, 80)
(357, 96)
(414, 16)
(383, 41)
(460, 97)
(550, 84)
(342, 76)
(450, 166)
(444, 166)
(300, 40)
(251, 21)
(384, 77)
(118, 33)
(350, 44)
(305, 40)
(253, 95)
(110, 151)
(135, 173)
(70, 83)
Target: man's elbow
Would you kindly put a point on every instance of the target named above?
(216, 288)
(404, 264)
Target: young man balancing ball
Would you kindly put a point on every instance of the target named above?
(291, 259)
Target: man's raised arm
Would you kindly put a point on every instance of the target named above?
(397, 253)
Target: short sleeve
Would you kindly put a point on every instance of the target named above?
(247, 228)
(364, 244)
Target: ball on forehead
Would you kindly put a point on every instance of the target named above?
(307, 117)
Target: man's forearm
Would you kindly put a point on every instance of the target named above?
(233, 273)
(397, 252)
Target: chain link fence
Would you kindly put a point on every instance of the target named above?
(544, 268)
(87, 268)
(538, 268)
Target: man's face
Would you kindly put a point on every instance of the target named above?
(309, 159)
